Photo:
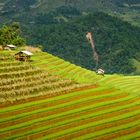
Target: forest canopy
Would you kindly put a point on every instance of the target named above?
(116, 41)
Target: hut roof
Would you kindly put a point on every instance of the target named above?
(100, 71)
(11, 46)
(25, 52)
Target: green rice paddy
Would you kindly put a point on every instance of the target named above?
(49, 98)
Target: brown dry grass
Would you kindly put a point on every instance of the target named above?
(32, 49)
(7, 104)
(1, 48)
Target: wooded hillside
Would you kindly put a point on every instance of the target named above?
(116, 41)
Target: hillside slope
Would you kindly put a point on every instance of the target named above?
(66, 70)
(108, 109)
(20, 80)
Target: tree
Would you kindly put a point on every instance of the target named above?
(11, 35)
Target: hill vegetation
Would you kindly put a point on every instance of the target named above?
(121, 8)
(62, 33)
(117, 42)
(11, 35)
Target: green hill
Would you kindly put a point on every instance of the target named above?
(63, 34)
(22, 80)
(49, 98)
(116, 42)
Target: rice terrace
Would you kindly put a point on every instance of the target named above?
(49, 98)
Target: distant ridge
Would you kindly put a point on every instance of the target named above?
(32, 7)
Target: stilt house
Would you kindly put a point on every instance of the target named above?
(23, 56)
(9, 47)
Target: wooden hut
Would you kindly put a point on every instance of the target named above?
(23, 56)
(100, 72)
(9, 47)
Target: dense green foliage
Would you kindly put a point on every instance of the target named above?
(116, 41)
(11, 35)
(26, 9)
(18, 5)
(61, 14)
(127, 1)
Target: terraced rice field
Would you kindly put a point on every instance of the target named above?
(64, 69)
(130, 84)
(20, 80)
(86, 114)
(104, 109)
